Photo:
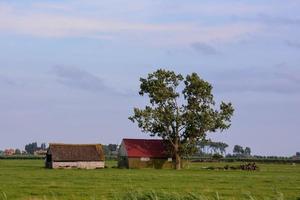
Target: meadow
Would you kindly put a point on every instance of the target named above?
(28, 179)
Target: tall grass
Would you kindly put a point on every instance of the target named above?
(29, 180)
(152, 195)
(3, 196)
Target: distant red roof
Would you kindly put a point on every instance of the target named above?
(145, 148)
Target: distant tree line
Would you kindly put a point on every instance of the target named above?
(208, 147)
(110, 151)
(32, 147)
(239, 151)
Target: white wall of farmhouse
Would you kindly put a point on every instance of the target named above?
(79, 164)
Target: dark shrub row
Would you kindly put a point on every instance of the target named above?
(261, 160)
(22, 157)
(253, 159)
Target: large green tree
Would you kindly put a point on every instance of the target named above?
(181, 111)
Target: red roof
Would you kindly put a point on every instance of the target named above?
(145, 148)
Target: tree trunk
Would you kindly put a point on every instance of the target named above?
(178, 161)
(177, 157)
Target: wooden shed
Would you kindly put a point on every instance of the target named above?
(144, 153)
(84, 156)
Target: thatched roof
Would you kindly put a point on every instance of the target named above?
(76, 152)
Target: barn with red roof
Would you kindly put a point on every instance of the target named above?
(144, 153)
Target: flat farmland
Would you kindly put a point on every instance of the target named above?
(28, 179)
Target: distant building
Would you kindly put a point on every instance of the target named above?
(144, 153)
(40, 152)
(84, 156)
(9, 152)
(297, 156)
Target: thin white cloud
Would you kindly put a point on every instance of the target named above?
(57, 25)
(52, 6)
(18, 21)
(179, 7)
(218, 9)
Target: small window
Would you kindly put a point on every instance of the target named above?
(145, 159)
(169, 159)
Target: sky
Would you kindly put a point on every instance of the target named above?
(70, 69)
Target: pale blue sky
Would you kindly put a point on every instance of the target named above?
(69, 70)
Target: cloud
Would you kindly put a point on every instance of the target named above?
(78, 78)
(7, 80)
(280, 80)
(204, 48)
(60, 25)
(293, 44)
(292, 77)
(278, 20)
(268, 19)
(52, 6)
(210, 8)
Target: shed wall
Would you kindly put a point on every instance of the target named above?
(156, 163)
(122, 150)
(79, 164)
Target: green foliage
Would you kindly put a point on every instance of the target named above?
(262, 159)
(247, 151)
(110, 151)
(217, 156)
(21, 157)
(31, 148)
(207, 147)
(18, 152)
(43, 146)
(180, 117)
(27, 179)
(239, 151)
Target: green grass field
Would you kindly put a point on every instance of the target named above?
(28, 179)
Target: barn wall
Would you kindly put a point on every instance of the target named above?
(152, 163)
(122, 162)
(122, 156)
(81, 165)
(48, 164)
(122, 150)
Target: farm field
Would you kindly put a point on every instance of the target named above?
(28, 179)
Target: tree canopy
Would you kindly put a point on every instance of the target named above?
(210, 147)
(181, 110)
(239, 151)
(31, 147)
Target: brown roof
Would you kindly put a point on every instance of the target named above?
(76, 152)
